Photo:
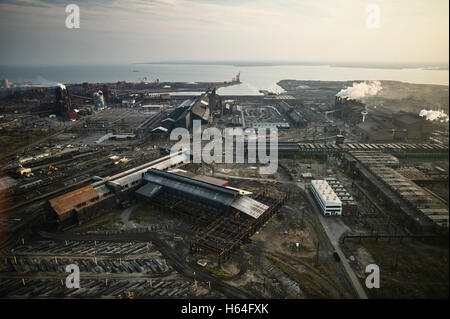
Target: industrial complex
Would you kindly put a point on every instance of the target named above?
(88, 177)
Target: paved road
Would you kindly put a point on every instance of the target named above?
(334, 228)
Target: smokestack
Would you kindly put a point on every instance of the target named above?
(364, 114)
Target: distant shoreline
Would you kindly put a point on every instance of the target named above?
(423, 66)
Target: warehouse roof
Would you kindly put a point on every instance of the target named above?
(73, 200)
(213, 195)
(249, 206)
(202, 178)
(325, 191)
(194, 189)
(201, 108)
(149, 190)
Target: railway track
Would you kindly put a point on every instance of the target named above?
(172, 254)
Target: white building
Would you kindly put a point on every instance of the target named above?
(329, 202)
(128, 103)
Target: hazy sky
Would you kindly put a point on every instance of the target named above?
(33, 32)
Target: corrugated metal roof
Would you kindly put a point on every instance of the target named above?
(215, 196)
(172, 161)
(102, 190)
(149, 190)
(202, 178)
(73, 200)
(249, 206)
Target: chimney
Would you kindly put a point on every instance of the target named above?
(364, 114)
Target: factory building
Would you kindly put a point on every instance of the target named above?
(376, 158)
(328, 201)
(349, 109)
(80, 205)
(377, 126)
(382, 125)
(284, 107)
(208, 191)
(421, 209)
(349, 205)
(374, 131)
(416, 127)
(180, 116)
(64, 103)
(182, 186)
(200, 108)
(83, 204)
(295, 117)
(215, 102)
(228, 216)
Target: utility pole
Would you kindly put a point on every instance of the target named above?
(303, 216)
(264, 285)
(396, 261)
(317, 254)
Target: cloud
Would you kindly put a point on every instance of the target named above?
(235, 29)
(24, 3)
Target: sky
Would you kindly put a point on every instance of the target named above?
(33, 32)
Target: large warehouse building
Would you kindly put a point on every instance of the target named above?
(79, 206)
(208, 193)
(328, 201)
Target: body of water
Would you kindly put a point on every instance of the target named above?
(254, 78)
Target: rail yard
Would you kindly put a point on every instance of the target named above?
(88, 178)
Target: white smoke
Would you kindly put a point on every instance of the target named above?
(360, 90)
(431, 115)
(47, 83)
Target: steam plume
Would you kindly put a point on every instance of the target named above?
(431, 115)
(360, 90)
(42, 81)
